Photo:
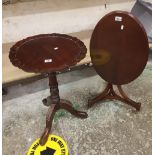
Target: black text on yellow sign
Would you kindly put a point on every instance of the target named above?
(55, 146)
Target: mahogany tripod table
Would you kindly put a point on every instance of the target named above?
(49, 53)
(119, 52)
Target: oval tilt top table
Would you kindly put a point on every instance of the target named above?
(48, 53)
(119, 52)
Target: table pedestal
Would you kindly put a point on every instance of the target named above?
(109, 93)
(55, 104)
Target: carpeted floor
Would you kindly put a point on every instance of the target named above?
(112, 128)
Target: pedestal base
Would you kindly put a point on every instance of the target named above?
(109, 93)
(55, 104)
(63, 104)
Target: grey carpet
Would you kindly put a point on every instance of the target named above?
(112, 128)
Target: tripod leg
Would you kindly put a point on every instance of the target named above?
(68, 106)
(49, 119)
(99, 97)
(127, 100)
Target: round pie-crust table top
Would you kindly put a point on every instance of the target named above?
(119, 48)
(47, 53)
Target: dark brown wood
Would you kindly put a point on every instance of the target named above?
(54, 91)
(119, 52)
(49, 119)
(119, 48)
(63, 104)
(55, 104)
(109, 93)
(48, 53)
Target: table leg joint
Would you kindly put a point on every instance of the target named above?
(109, 93)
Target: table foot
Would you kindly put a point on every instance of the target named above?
(68, 106)
(49, 119)
(136, 105)
(109, 93)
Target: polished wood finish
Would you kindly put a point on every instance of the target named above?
(109, 93)
(119, 52)
(55, 104)
(119, 49)
(12, 75)
(49, 53)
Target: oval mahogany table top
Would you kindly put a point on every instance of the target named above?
(47, 53)
(119, 48)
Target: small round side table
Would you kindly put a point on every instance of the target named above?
(49, 53)
(119, 52)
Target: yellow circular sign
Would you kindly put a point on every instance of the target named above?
(55, 146)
